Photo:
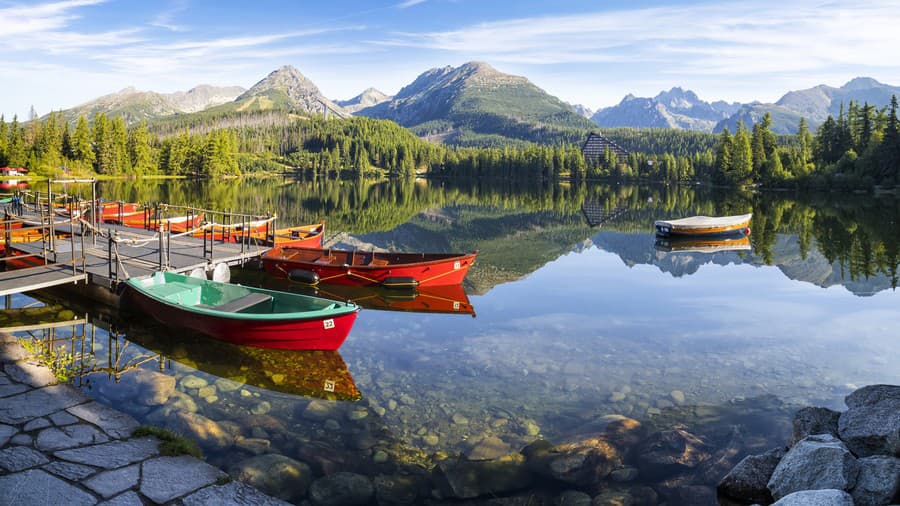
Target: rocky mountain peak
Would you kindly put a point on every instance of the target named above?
(861, 83)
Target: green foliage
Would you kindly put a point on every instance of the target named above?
(172, 444)
(62, 363)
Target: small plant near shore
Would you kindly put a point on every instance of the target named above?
(172, 444)
(62, 364)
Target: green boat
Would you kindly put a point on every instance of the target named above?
(241, 314)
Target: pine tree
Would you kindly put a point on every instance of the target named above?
(139, 151)
(80, 145)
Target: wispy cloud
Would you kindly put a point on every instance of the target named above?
(409, 3)
(712, 38)
(24, 20)
(166, 18)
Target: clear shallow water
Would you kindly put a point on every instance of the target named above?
(573, 323)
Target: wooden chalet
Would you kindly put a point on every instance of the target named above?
(595, 147)
(13, 171)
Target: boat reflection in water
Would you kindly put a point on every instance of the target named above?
(449, 299)
(717, 244)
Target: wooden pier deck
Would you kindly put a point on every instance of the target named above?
(36, 278)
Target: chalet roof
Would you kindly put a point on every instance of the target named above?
(17, 169)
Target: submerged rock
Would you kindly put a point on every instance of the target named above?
(467, 479)
(276, 475)
(669, 452)
(341, 489)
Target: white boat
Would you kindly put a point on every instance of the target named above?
(705, 225)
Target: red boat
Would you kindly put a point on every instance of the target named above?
(308, 236)
(114, 212)
(243, 315)
(367, 268)
(177, 224)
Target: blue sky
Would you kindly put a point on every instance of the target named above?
(57, 54)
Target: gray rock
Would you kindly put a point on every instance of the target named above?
(276, 475)
(623, 474)
(318, 410)
(809, 421)
(878, 482)
(6, 432)
(31, 373)
(114, 454)
(572, 498)
(466, 479)
(9, 387)
(669, 452)
(17, 458)
(817, 462)
(872, 429)
(826, 497)
(12, 352)
(192, 381)
(38, 487)
(399, 489)
(36, 424)
(113, 422)
(166, 478)
(69, 437)
(341, 489)
(871, 395)
(750, 477)
(129, 498)
(61, 418)
(70, 471)
(110, 483)
(231, 494)
(40, 402)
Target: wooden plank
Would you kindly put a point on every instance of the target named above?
(42, 326)
(36, 278)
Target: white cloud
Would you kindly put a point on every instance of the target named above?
(166, 18)
(409, 3)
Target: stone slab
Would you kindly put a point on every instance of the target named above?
(37, 403)
(36, 424)
(22, 440)
(38, 487)
(70, 436)
(129, 498)
(12, 352)
(31, 373)
(69, 471)
(113, 422)
(63, 418)
(235, 493)
(18, 458)
(166, 478)
(9, 389)
(6, 432)
(110, 483)
(114, 454)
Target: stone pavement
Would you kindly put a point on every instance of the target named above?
(57, 446)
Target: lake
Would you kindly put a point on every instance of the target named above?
(573, 316)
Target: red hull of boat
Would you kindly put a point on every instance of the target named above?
(280, 334)
(433, 273)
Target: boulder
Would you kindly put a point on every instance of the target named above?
(810, 420)
(572, 498)
(143, 386)
(748, 480)
(467, 479)
(878, 482)
(584, 462)
(400, 489)
(817, 462)
(669, 452)
(827, 497)
(872, 429)
(871, 395)
(276, 475)
(196, 426)
(341, 489)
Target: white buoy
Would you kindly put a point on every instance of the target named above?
(220, 273)
(199, 272)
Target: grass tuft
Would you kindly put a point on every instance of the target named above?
(172, 444)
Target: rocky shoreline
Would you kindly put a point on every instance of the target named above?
(57, 446)
(835, 458)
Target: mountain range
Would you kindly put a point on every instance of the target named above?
(476, 103)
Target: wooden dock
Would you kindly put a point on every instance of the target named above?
(37, 278)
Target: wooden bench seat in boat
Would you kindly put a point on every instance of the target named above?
(241, 303)
(378, 262)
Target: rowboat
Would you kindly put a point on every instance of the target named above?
(176, 224)
(309, 236)
(687, 244)
(367, 268)
(243, 315)
(113, 212)
(705, 225)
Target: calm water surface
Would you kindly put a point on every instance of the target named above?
(580, 314)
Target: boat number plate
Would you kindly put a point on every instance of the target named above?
(329, 323)
(456, 265)
(456, 305)
(329, 386)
